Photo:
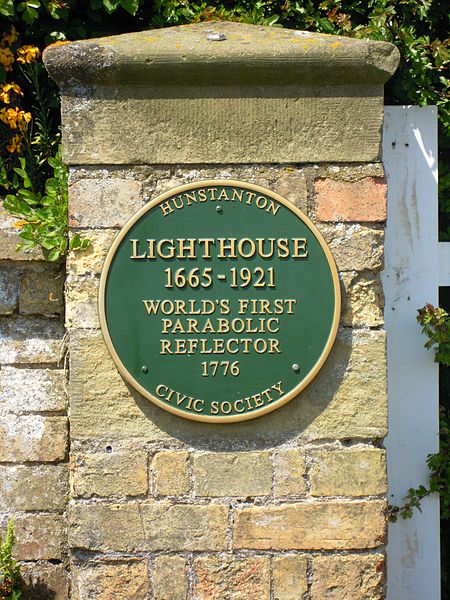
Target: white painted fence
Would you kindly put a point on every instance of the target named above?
(415, 266)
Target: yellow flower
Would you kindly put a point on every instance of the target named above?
(9, 38)
(15, 118)
(15, 144)
(20, 224)
(28, 54)
(6, 58)
(6, 89)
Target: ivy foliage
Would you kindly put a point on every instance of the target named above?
(9, 569)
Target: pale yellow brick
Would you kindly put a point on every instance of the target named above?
(357, 577)
(40, 578)
(362, 299)
(311, 526)
(290, 472)
(118, 473)
(30, 341)
(291, 184)
(41, 292)
(40, 537)
(89, 262)
(170, 473)
(170, 578)
(289, 577)
(36, 487)
(103, 202)
(356, 472)
(125, 580)
(219, 577)
(232, 474)
(33, 438)
(32, 390)
(148, 526)
(355, 247)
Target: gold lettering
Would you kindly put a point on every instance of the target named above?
(214, 408)
(273, 208)
(186, 246)
(241, 402)
(252, 250)
(300, 249)
(166, 208)
(135, 254)
(160, 387)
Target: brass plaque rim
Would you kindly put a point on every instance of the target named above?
(104, 325)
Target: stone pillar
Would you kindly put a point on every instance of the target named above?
(289, 504)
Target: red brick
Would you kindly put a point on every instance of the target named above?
(363, 200)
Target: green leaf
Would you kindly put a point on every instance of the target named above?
(131, 6)
(54, 254)
(7, 8)
(110, 5)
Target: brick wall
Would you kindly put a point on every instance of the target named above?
(34, 469)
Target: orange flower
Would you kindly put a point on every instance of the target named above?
(20, 224)
(28, 54)
(15, 144)
(15, 118)
(9, 38)
(6, 58)
(6, 89)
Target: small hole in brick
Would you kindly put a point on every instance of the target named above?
(346, 442)
(108, 449)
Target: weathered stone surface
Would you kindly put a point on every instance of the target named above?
(33, 438)
(355, 247)
(44, 581)
(90, 261)
(170, 578)
(311, 526)
(103, 202)
(362, 299)
(363, 200)
(147, 526)
(37, 487)
(356, 472)
(170, 473)
(32, 390)
(232, 474)
(124, 580)
(82, 301)
(36, 340)
(219, 577)
(302, 124)
(347, 399)
(9, 291)
(9, 238)
(118, 473)
(289, 472)
(358, 577)
(42, 292)
(289, 577)
(291, 184)
(40, 537)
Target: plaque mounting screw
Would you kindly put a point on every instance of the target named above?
(219, 209)
(296, 368)
(145, 369)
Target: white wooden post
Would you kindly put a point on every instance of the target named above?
(411, 279)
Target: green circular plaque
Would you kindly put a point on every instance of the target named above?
(219, 301)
